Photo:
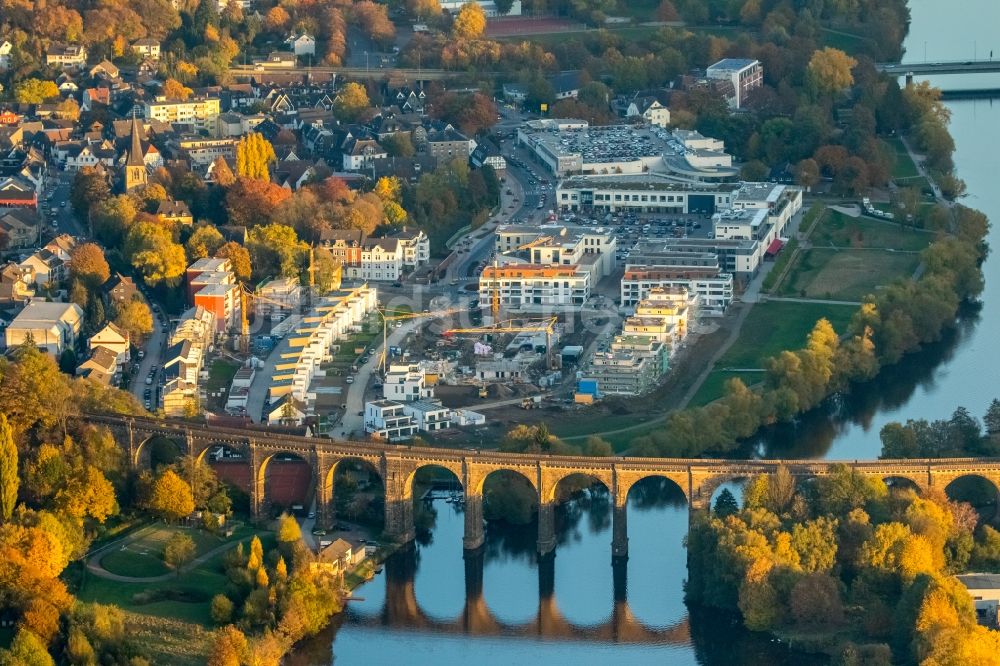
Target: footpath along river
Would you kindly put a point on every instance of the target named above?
(433, 607)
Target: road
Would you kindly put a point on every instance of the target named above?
(154, 354)
(262, 381)
(354, 404)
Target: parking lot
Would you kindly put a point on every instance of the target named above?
(629, 228)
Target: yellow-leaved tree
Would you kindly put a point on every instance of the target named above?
(254, 154)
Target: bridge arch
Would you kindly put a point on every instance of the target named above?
(477, 482)
(455, 469)
(158, 449)
(356, 473)
(626, 482)
(291, 474)
(979, 490)
(902, 482)
(555, 483)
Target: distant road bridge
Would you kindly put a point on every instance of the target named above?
(935, 68)
(397, 466)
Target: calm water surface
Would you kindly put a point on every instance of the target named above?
(431, 606)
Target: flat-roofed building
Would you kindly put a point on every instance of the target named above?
(624, 150)
(745, 74)
(202, 113)
(713, 288)
(535, 285)
(561, 245)
(644, 193)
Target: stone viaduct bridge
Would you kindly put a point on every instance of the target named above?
(397, 465)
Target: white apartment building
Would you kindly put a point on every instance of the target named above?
(336, 316)
(535, 285)
(200, 112)
(745, 75)
(278, 296)
(6, 49)
(561, 245)
(415, 245)
(406, 383)
(428, 415)
(66, 54)
(387, 419)
(381, 260)
(714, 289)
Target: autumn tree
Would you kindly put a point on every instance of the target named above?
(239, 257)
(254, 156)
(151, 251)
(373, 19)
(350, 102)
(221, 609)
(829, 70)
(175, 90)
(112, 218)
(275, 249)
(204, 242)
(35, 91)
(135, 318)
(470, 22)
(171, 496)
(288, 530)
(88, 265)
(277, 19)
(89, 186)
(229, 648)
(178, 551)
(424, 8)
(252, 201)
(9, 480)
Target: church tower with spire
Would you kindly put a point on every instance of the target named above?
(135, 166)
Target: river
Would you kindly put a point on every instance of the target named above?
(432, 606)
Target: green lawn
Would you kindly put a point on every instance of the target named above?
(852, 257)
(846, 275)
(714, 386)
(903, 166)
(841, 231)
(776, 326)
(143, 557)
(220, 377)
(847, 42)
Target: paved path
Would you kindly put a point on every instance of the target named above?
(94, 563)
(922, 170)
(824, 301)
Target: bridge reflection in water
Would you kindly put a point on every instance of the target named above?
(402, 611)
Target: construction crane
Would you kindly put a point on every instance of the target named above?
(247, 299)
(494, 286)
(515, 326)
(386, 318)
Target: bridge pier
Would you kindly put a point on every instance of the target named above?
(475, 534)
(619, 532)
(399, 519)
(546, 528)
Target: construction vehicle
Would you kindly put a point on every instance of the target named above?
(514, 326)
(533, 402)
(386, 318)
(483, 392)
